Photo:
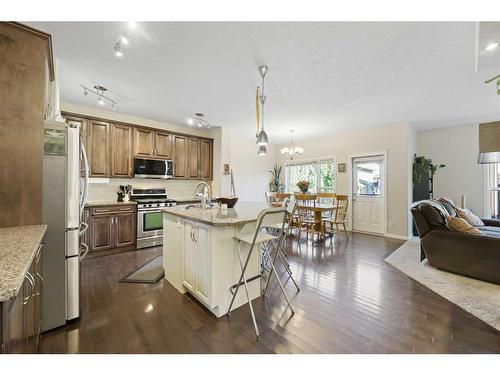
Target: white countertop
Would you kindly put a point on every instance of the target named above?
(243, 212)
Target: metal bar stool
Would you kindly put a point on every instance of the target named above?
(282, 234)
(258, 239)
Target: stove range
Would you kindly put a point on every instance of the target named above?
(149, 215)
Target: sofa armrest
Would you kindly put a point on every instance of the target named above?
(491, 222)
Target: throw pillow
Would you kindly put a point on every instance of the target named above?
(448, 204)
(457, 224)
(469, 217)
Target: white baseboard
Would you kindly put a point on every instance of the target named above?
(388, 235)
(397, 236)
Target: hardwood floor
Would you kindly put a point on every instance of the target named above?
(351, 301)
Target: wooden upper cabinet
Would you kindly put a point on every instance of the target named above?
(163, 145)
(121, 150)
(194, 168)
(180, 147)
(206, 159)
(99, 148)
(143, 142)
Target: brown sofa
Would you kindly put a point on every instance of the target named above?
(476, 256)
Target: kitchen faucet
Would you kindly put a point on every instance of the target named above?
(206, 196)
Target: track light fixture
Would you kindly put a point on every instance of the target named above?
(199, 120)
(99, 92)
(118, 50)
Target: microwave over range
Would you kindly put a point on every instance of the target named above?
(151, 168)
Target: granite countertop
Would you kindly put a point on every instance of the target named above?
(108, 203)
(243, 212)
(18, 247)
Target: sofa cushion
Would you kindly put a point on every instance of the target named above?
(434, 217)
(491, 233)
(469, 217)
(449, 206)
(457, 224)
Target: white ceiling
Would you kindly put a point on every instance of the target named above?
(323, 78)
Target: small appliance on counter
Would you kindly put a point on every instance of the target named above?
(149, 215)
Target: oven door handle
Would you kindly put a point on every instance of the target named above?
(148, 209)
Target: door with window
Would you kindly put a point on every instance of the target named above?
(368, 194)
(494, 190)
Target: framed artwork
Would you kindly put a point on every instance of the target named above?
(341, 167)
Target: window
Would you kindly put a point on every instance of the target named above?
(367, 180)
(494, 190)
(319, 173)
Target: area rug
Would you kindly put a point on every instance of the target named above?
(149, 273)
(480, 298)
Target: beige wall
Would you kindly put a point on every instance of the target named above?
(396, 140)
(458, 148)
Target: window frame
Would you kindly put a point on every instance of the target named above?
(317, 162)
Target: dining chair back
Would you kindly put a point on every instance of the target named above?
(326, 197)
(270, 196)
(279, 197)
(342, 202)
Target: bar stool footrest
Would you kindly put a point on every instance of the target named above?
(233, 287)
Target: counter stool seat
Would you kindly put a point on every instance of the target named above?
(261, 237)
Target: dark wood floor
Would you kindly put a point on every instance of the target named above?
(351, 302)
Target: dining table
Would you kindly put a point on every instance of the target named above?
(318, 209)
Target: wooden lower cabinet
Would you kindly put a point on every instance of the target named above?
(21, 317)
(111, 229)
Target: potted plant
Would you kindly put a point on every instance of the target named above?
(275, 182)
(303, 186)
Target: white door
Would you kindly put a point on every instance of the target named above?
(190, 249)
(203, 264)
(368, 194)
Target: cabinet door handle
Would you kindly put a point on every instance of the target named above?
(32, 283)
(191, 235)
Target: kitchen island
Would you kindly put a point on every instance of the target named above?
(199, 252)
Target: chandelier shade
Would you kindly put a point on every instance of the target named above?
(291, 150)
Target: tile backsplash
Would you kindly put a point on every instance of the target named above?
(105, 189)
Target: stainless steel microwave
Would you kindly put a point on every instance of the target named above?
(151, 168)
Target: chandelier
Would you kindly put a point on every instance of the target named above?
(99, 92)
(261, 135)
(291, 150)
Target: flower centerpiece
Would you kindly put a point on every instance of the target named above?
(303, 186)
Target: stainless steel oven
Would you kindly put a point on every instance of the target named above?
(149, 215)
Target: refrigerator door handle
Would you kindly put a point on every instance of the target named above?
(83, 228)
(84, 251)
(83, 199)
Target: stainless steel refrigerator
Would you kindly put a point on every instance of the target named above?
(64, 197)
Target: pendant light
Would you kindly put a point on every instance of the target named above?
(262, 151)
(262, 139)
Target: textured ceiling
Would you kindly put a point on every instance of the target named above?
(323, 78)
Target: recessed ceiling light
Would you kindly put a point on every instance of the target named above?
(491, 46)
(118, 50)
(190, 121)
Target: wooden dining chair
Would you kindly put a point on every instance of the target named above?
(306, 218)
(326, 198)
(280, 197)
(270, 196)
(339, 216)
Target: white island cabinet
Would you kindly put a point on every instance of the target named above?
(200, 257)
